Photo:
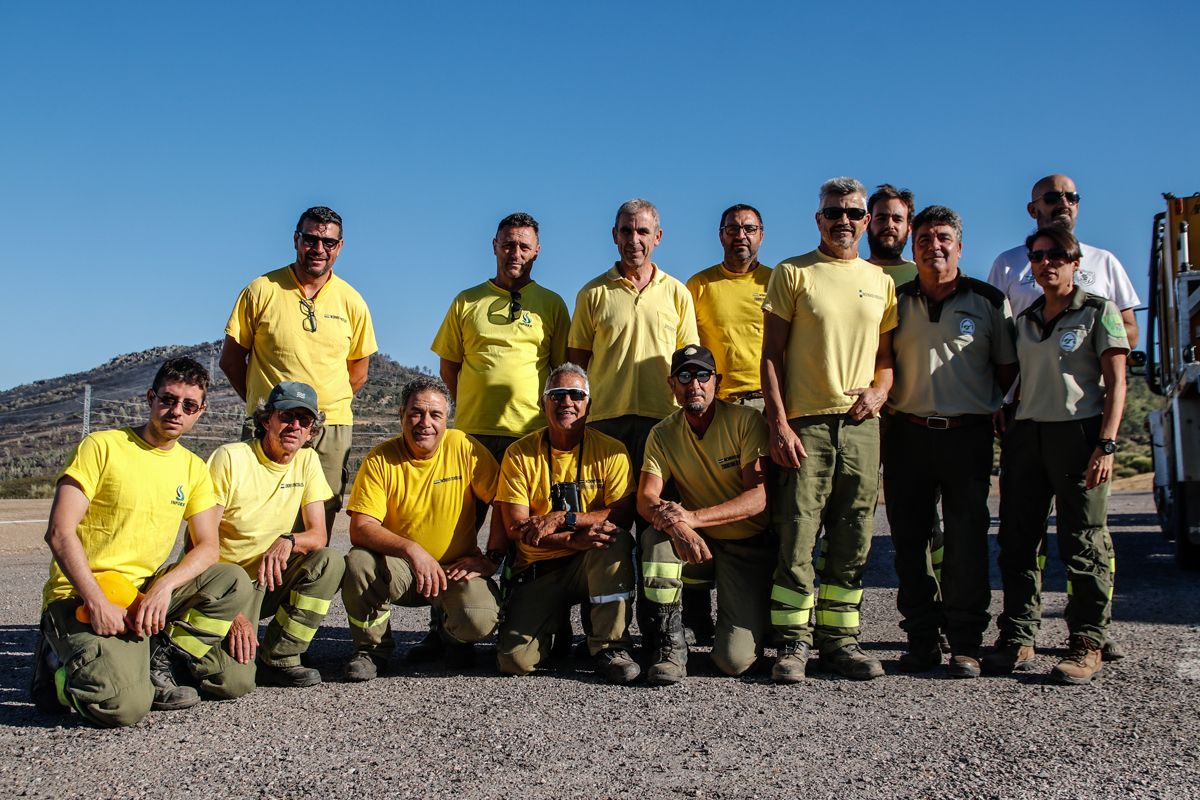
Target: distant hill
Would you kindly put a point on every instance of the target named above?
(41, 421)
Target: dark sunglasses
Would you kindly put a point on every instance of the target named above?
(1053, 254)
(310, 241)
(310, 320)
(1072, 198)
(685, 377)
(577, 395)
(834, 213)
(289, 416)
(514, 306)
(189, 406)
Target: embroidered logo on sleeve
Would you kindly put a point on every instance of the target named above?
(1114, 325)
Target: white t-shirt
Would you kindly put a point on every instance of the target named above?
(1099, 273)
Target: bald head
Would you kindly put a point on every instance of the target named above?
(1054, 201)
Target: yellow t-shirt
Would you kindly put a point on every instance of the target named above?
(431, 501)
(525, 479)
(837, 310)
(729, 318)
(708, 471)
(267, 320)
(632, 336)
(261, 498)
(505, 362)
(138, 495)
(901, 273)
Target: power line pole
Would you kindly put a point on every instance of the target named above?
(87, 410)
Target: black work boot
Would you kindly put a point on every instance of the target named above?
(431, 648)
(850, 661)
(42, 690)
(168, 695)
(921, 656)
(698, 617)
(668, 664)
(294, 676)
(560, 650)
(792, 663)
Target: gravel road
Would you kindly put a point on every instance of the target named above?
(1133, 734)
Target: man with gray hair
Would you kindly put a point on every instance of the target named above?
(826, 372)
(414, 520)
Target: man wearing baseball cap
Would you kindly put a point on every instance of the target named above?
(261, 486)
(715, 451)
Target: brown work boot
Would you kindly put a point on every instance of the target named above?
(964, 664)
(1082, 663)
(1008, 657)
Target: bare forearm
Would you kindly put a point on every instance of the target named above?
(378, 539)
(72, 560)
(448, 370)
(747, 504)
(234, 363)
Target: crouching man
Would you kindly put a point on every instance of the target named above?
(567, 502)
(261, 486)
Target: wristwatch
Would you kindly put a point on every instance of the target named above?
(569, 520)
(495, 556)
(291, 537)
(1107, 446)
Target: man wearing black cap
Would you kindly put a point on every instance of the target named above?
(715, 451)
(261, 486)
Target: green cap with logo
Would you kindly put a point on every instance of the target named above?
(293, 394)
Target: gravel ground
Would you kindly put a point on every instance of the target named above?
(1133, 734)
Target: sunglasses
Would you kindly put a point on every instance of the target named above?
(514, 306)
(310, 242)
(558, 395)
(685, 376)
(834, 213)
(1053, 254)
(310, 320)
(734, 230)
(1072, 198)
(289, 416)
(189, 406)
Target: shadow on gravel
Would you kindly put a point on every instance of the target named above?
(16, 664)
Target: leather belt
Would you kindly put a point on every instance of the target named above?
(947, 423)
(741, 398)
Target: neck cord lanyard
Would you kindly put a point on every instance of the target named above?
(578, 466)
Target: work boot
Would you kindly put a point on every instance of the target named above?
(1112, 650)
(560, 650)
(850, 661)
(364, 667)
(431, 648)
(168, 695)
(921, 657)
(617, 667)
(1008, 657)
(459, 655)
(295, 676)
(697, 617)
(791, 663)
(42, 690)
(964, 664)
(1083, 662)
(668, 665)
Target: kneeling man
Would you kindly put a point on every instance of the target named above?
(261, 486)
(567, 502)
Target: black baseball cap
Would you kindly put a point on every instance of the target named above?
(693, 355)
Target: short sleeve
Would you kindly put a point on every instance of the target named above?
(362, 337)
(240, 326)
(316, 488)
(617, 477)
(514, 482)
(891, 316)
(1004, 340)
(1123, 293)
(583, 331)
(687, 332)
(781, 300)
(220, 471)
(485, 472)
(559, 332)
(200, 488)
(1110, 332)
(86, 465)
(448, 343)
(370, 493)
(655, 461)
(754, 440)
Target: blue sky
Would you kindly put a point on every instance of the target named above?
(156, 156)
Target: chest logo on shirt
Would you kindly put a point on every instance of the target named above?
(758, 297)
(338, 317)
(1068, 342)
(525, 320)
(1027, 279)
(296, 485)
(180, 497)
(966, 327)
(1085, 277)
(447, 479)
(861, 293)
(727, 462)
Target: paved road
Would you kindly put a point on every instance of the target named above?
(1134, 734)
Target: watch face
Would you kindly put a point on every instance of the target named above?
(1108, 448)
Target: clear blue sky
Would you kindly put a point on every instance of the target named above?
(156, 156)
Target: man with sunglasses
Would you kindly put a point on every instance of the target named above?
(116, 515)
(827, 370)
(715, 453)
(304, 323)
(261, 487)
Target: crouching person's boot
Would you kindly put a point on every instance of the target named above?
(669, 659)
(168, 695)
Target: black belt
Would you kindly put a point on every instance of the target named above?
(947, 423)
(741, 398)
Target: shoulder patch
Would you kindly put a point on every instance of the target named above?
(1114, 325)
(986, 291)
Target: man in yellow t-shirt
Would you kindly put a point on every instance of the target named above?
(566, 500)
(627, 323)
(415, 512)
(117, 509)
(715, 453)
(261, 487)
(827, 370)
(304, 323)
(887, 234)
(499, 341)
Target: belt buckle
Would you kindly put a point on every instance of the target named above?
(937, 423)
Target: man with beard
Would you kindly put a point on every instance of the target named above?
(304, 323)
(887, 234)
(715, 453)
(827, 370)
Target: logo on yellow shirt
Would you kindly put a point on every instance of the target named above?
(862, 293)
(525, 320)
(727, 462)
(448, 479)
(296, 485)
(180, 497)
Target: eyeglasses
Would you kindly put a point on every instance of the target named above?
(734, 230)
(514, 306)
(685, 376)
(188, 406)
(1072, 198)
(834, 213)
(289, 416)
(1053, 254)
(310, 320)
(310, 242)
(558, 395)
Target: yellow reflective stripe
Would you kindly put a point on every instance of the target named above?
(1070, 589)
(664, 597)
(1042, 563)
(188, 643)
(298, 629)
(217, 627)
(370, 623)
(1110, 591)
(799, 617)
(60, 686)
(696, 581)
(1112, 565)
(788, 597)
(662, 569)
(313, 604)
(837, 619)
(936, 556)
(838, 594)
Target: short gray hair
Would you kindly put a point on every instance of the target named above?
(425, 383)
(938, 215)
(262, 414)
(568, 369)
(841, 187)
(631, 207)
